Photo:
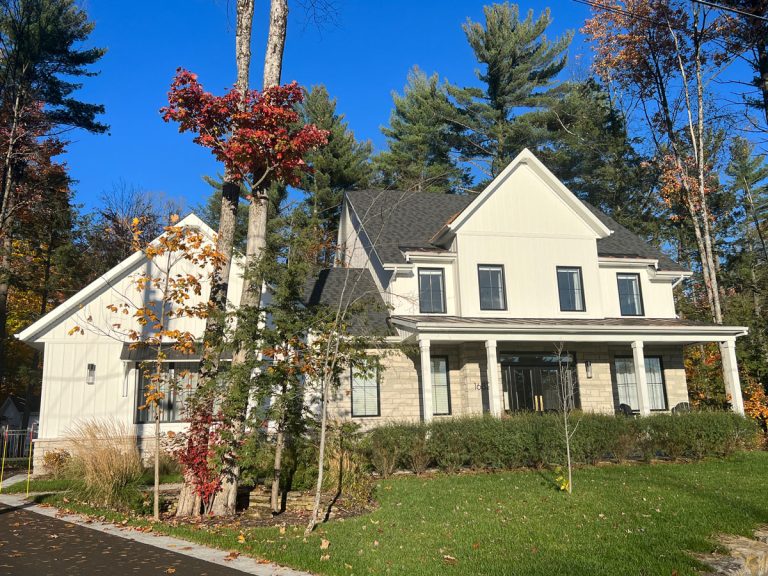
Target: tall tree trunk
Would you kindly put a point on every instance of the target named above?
(225, 501)
(256, 242)
(7, 208)
(762, 71)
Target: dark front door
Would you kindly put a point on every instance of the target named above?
(530, 388)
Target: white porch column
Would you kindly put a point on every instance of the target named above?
(494, 390)
(731, 375)
(641, 380)
(426, 380)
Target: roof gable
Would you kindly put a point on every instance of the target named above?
(528, 190)
(102, 283)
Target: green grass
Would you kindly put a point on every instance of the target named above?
(39, 485)
(633, 519)
(62, 484)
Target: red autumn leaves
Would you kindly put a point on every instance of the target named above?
(258, 136)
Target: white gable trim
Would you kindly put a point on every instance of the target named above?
(527, 158)
(74, 303)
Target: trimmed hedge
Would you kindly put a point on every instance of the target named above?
(535, 440)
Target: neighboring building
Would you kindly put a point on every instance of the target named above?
(12, 413)
(457, 284)
(505, 280)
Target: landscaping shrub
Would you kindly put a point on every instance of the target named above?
(447, 443)
(105, 465)
(346, 464)
(416, 448)
(56, 461)
(536, 440)
(386, 448)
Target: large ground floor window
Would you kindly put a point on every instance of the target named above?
(178, 384)
(626, 383)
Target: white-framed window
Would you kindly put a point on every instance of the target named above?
(630, 294)
(570, 288)
(441, 387)
(491, 281)
(626, 383)
(365, 393)
(431, 291)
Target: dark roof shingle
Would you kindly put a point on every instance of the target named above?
(395, 220)
(351, 288)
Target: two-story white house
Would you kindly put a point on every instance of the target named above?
(477, 295)
(496, 291)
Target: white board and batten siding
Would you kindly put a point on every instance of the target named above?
(66, 396)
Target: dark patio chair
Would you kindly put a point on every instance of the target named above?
(681, 408)
(624, 410)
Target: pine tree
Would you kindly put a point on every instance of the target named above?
(590, 151)
(747, 268)
(343, 164)
(520, 66)
(419, 139)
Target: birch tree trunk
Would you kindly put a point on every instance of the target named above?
(255, 244)
(225, 501)
(214, 327)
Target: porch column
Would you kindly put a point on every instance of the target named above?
(731, 375)
(640, 378)
(494, 390)
(426, 380)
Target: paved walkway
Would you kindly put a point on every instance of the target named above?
(33, 542)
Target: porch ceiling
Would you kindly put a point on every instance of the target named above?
(456, 328)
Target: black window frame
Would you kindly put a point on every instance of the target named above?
(660, 358)
(172, 396)
(581, 283)
(499, 267)
(447, 385)
(636, 276)
(352, 394)
(442, 291)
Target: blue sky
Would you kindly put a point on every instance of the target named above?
(362, 55)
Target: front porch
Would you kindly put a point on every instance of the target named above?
(605, 356)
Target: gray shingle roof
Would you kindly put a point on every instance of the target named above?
(511, 322)
(353, 288)
(395, 220)
(625, 244)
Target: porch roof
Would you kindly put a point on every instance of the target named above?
(455, 328)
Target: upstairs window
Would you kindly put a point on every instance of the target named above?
(491, 280)
(571, 289)
(365, 393)
(630, 296)
(431, 291)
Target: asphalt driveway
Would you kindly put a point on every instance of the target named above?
(32, 544)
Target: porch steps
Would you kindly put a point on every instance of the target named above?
(747, 556)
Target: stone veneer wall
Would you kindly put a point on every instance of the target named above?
(400, 386)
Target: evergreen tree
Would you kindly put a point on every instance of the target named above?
(590, 151)
(747, 268)
(343, 164)
(419, 139)
(520, 66)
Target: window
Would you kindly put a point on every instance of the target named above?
(365, 393)
(627, 385)
(431, 291)
(571, 289)
(630, 296)
(178, 383)
(491, 280)
(441, 389)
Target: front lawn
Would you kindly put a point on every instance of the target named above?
(63, 484)
(629, 519)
